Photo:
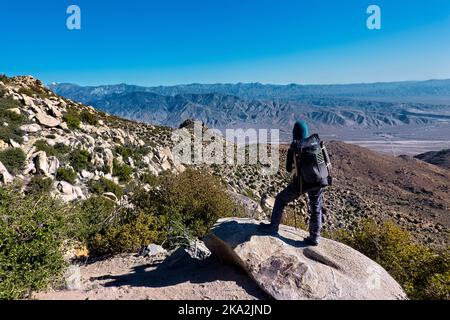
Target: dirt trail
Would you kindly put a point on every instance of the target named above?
(129, 277)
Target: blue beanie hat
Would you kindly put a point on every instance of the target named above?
(300, 131)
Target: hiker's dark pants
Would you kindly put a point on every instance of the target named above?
(315, 202)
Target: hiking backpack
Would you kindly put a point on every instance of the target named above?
(312, 163)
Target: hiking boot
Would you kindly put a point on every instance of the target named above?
(312, 241)
(268, 228)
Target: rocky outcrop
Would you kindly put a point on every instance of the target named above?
(47, 120)
(5, 176)
(286, 268)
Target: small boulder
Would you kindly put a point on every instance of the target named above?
(153, 250)
(30, 128)
(47, 120)
(5, 176)
(41, 163)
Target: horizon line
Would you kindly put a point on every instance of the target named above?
(246, 83)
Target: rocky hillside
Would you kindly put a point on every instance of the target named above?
(81, 150)
(72, 144)
(438, 158)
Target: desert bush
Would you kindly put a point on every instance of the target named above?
(39, 185)
(42, 145)
(72, 119)
(9, 103)
(422, 271)
(31, 232)
(150, 179)
(122, 171)
(13, 159)
(13, 120)
(191, 203)
(88, 117)
(11, 132)
(105, 185)
(107, 229)
(79, 159)
(66, 174)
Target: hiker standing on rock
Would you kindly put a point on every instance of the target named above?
(309, 163)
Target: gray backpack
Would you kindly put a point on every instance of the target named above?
(312, 163)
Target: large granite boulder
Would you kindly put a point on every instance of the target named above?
(287, 268)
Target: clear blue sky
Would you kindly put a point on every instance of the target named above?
(208, 41)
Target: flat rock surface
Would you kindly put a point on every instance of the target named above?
(287, 268)
(178, 277)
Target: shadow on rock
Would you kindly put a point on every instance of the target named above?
(180, 267)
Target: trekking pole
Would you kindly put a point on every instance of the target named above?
(295, 214)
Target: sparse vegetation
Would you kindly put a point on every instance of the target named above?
(89, 117)
(39, 185)
(66, 174)
(72, 118)
(423, 272)
(104, 185)
(12, 120)
(13, 159)
(79, 159)
(122, 171)
(42, 145)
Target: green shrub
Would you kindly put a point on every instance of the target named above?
(107, 229)
(150, 179)
(42, 145)
(191, 203)
(79, 159)
(104, 185)
(123, 151)
(122, 171)
(39, 185)
(72, 119)
(89, 118)
(31, 233)
(13, 159)
(66, 174)
(422, 271)
(27, 91)
(9, 103)
(11, 132)
(61, 149)
(128, 232)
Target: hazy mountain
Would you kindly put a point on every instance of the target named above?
(329, 108)
(221, 111)
(390, 90)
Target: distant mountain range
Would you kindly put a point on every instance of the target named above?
(375, 105)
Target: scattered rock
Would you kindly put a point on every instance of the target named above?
(153, 250)
(111, 196)
(268, 201)
(40, 162)
(73, 278)
(3, 145)
(14, 144)
(31, 128)
(47, 120)
(5, 176)
(15, 110)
